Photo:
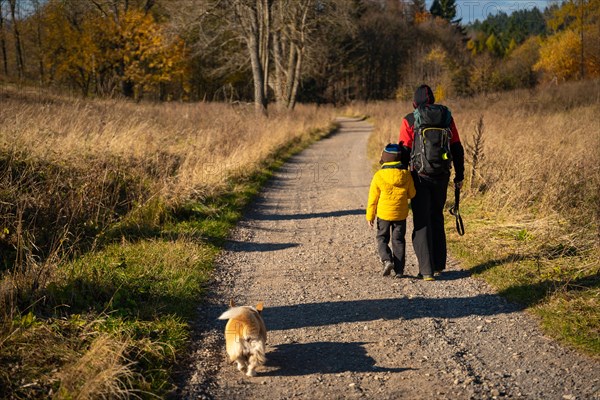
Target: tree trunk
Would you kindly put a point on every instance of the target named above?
(289, 42)
(3, 41)
(254, 21)
(19, 51)
(265, 40)
(38, 11)
(277, 56)
(297, 77)
(260, 101)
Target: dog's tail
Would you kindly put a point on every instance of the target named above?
(234, 312)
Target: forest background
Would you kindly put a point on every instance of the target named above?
(134, 132)
(281, 51)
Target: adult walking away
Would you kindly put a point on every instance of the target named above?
(430, 134)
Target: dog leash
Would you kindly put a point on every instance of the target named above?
(454, 210)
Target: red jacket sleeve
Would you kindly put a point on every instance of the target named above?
(455, 138)
(407, 134)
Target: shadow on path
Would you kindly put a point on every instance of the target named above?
(322, 358)
(331, 313)
(283, 217)
(235, 245)
(453, 275)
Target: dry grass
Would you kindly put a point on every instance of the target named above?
(532, 211)
(189, 149)
(69, 168)
(103, 372)
(89, 189)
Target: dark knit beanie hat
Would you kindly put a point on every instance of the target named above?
(390, 153)
(423, 95)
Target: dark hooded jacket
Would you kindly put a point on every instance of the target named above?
(424, 95)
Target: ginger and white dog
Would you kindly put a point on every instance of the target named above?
(245, 336)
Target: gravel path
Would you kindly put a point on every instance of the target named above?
(340, 330)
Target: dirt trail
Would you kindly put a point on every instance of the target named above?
(340, 330)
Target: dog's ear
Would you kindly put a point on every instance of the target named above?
(231, 303)
(259, 306)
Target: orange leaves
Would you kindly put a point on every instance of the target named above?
(98, 50)
(559, 56)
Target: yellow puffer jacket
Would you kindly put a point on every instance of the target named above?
(389, 193)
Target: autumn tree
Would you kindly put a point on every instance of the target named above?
(37, 21)
(384, 47)
(292, 19)
(559, 56)
(87, 44)
(518, 68)
(277, 35)
(71, 52)
(149, 58)
(418, 6)
(581, 17)
(233, 32)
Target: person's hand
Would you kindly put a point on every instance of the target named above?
(370, 224)
(458, 185)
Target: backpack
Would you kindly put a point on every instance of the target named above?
(430, 154)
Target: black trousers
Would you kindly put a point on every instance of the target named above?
(393, 231)
(429, 237)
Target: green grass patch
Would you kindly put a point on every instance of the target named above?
(523, 261)
(143, 280)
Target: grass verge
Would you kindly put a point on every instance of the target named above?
(113, 322)
(555, 281)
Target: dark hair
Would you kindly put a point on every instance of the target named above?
(423, 95)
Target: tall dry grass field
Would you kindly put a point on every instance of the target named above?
(532, 204)
(70, 167)
(108, 214)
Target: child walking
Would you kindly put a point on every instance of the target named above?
(391, 188)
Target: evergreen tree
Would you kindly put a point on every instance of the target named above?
(444, 9)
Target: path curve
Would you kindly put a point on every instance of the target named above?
(340, 330)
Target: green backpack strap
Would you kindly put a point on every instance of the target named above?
(417, 116)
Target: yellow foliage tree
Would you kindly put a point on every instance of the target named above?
(511, 47)
(559, 56)
(516, 71)
(71, 52)
(581, 18)
(89, 47)
(574, 13)
(436, 62)
(149, 57)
